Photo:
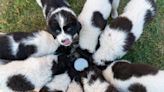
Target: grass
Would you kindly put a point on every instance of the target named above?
(26, 15)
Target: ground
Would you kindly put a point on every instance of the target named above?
(26, 15)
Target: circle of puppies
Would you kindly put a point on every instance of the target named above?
(78, 54)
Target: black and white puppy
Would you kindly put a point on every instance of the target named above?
(89, 79)
(93, 19)
(123, 31)
(21, 45)
(92, 80)
(61, 20)
(30, 74)
(127, 77)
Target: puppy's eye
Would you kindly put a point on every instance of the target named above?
(69, 29)
(57, 31)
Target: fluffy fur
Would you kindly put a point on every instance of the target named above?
(61, 20)
(88, 80)
(29, 74)
(93, 81)
(21, 45)
(123, 31)
(127, 77)
(94, 20)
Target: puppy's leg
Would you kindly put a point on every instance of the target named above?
(115, 5)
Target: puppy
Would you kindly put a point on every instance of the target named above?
(88, 79)
(62, 76)
(123, 31)
(27, 75)
(92, 80)
(93, 20)
(61, 20)
(127, 77)
(21, 45)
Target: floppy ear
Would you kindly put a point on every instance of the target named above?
(78, 27)
(52, 33)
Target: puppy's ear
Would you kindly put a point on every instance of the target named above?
(49, 30)
(78, 27)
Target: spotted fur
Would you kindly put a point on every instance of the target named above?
(127, 77)
(123, 31)
(21, 45)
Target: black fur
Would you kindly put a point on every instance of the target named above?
(121, 23)
(150, 13)
(98, 43)
(19, 83)
(45, 89)
(64, 64)
(63, 50)
(5, 48)
(71, 27)
(153, 3)
(129, 41)
(124, 70)
(60, 67)
(53, 4)
(98, 20)
(97, 75)
(18, 36)
(137, 88)
(84, 54)
(149, 16)
(111, 1)
(111, 89)
(25, 51)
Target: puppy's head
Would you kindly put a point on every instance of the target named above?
(64, 26)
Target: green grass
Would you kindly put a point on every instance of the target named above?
(26, 15)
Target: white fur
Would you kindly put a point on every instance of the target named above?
(39, 3)
(44, 42)
(74, 87)
(63, 36)
(63, 8)
(153, 83)
(89, 33)
(36, 70)
(136, 15)
(44, 11)
(61, 20)
(112, 43)
(113, 40)
(14, 45)
(59, 82)
(96, 86)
